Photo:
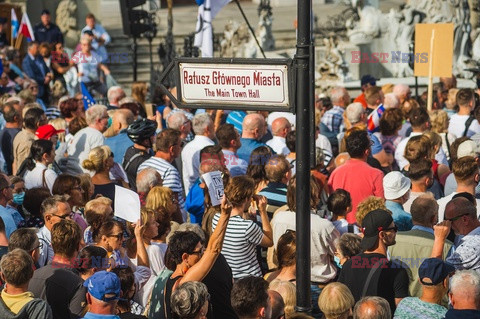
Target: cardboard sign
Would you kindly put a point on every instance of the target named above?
(442, 49)
(214, 183)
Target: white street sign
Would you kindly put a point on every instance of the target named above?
(224, 84)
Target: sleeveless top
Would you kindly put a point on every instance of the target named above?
(168, 294)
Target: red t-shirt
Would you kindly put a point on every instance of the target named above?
(361, 99)
(360, 180)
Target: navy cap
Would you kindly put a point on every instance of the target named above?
(103, 283)
(374, 222)
(435, 270)
(45, 11)
(368, 79)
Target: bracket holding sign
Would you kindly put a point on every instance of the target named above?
(233, 84)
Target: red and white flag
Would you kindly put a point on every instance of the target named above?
(26, 28)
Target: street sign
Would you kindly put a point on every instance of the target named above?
(233, 84)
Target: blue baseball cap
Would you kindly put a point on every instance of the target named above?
(368, 79)
(434, 269)
(103, 283)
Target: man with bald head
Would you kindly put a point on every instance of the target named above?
(253, 129)
(462, 215)
(280, 128)
(372, 308)
(277, 304)
(119, 143)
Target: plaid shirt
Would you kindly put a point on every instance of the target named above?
(333, 119)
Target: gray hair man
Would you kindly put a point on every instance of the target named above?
(204, 135)
(464, 295)
(179, 121)
(54, 209)
(114, 95)
(402, 92)
(91, 136)
(147, 179)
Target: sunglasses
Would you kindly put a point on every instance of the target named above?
(394, 228)
(456, 217)
(119, 236)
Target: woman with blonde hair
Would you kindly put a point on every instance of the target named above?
(100, 160)
(367, 205)
(288, 292)
(163, 197)
(439, 121)
(61, 147)
(336, 301)
(155, 254)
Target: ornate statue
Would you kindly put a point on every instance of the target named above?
(237, 41)
(67, 22)
(264, 30)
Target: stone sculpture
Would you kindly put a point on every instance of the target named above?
(67, 22)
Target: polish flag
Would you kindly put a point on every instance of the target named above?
(26, 28)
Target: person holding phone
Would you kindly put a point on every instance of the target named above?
(244, 234)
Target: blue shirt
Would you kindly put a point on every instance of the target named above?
(194, 204)
(248, 145)
(236, 119)
(401, 218)
(10, 226)
(119, 144)
(90, 315)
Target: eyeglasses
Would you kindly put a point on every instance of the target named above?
(37, 247)
(456, 217)
(69, 216)
(198, 252)
(119, 236)
(394, 228)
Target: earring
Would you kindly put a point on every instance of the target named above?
(185, 268)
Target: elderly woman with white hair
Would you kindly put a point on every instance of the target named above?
(190, 301)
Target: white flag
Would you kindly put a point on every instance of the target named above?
(204, 33)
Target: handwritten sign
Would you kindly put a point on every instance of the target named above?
(214, 183)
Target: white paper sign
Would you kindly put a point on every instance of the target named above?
(127, 204)
(214, 183)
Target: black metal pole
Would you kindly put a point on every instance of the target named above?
(313, 153)
(250, 27)
(302, 149)
(134, 48)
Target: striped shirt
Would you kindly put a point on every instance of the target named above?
(169, 174)
(239, 246)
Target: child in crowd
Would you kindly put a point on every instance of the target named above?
(340, 204)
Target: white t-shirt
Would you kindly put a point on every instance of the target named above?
(457, 126)
(83, 142)
(34, 178)
(88, 65)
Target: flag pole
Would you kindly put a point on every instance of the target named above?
(19, 41)
(250, 27)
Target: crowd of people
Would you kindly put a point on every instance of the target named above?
(394, 200)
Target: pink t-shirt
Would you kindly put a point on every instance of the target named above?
(358, 178)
